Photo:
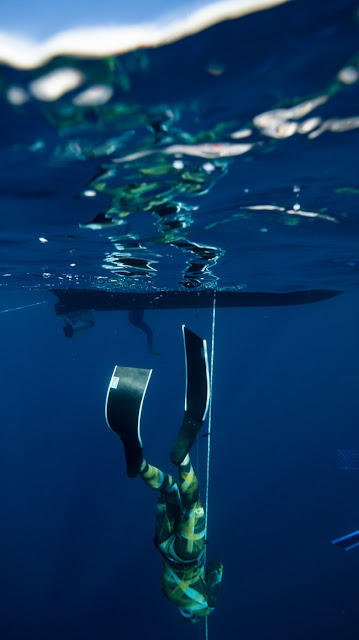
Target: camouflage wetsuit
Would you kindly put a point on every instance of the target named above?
(180, 530)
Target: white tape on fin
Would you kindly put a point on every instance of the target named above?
(114, 382)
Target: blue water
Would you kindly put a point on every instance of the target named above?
(76, 537)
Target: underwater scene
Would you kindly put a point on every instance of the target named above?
(179, 275)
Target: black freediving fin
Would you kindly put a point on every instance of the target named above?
(197, 375)
(348, 542)
(124, 401)
(197, 394)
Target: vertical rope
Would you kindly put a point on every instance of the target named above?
(209, 432)
(210, 412)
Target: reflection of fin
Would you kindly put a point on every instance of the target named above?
(197, 394)
(348, 542)
(124, 400)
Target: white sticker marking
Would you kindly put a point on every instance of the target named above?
(114, 382)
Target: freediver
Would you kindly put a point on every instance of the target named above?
(180, 518)
(78, 321)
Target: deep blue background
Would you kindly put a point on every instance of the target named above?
(77, 559)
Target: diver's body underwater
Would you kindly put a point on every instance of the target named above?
(180, 517)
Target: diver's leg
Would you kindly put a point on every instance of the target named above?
(135, 317)
(190, 539)
(188, 484)
(157, 479)
(169, 502)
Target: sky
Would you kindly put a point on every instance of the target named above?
(41, 18)
(31, 34)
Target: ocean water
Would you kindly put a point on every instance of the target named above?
(219, 162)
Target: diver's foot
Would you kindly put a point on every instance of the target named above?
(185, 439)
(215, 570)
(153, 351)
(134, 456)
